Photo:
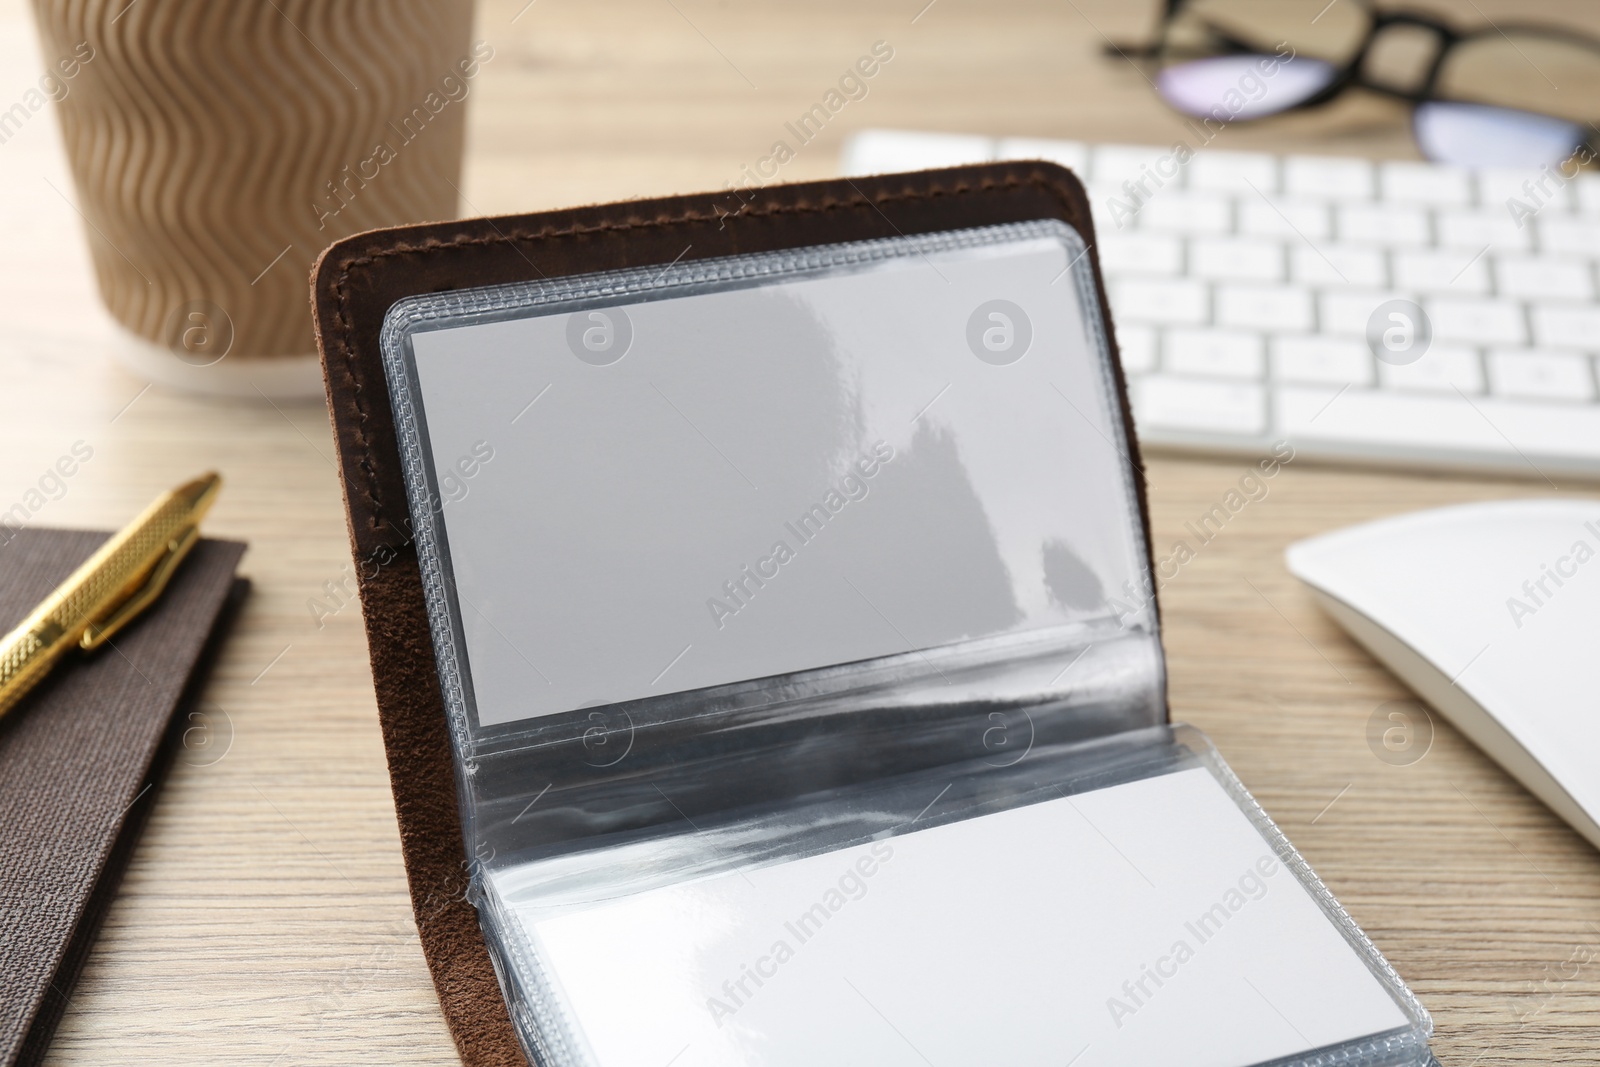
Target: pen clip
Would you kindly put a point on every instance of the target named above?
(178, 547)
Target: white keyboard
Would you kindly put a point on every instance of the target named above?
(1243, 288)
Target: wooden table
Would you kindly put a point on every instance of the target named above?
(265, 920)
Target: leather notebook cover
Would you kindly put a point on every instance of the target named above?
(81, 758)
(354, 285)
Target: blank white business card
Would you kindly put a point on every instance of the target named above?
(1144, 923)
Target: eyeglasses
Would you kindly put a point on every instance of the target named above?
(1499, 96)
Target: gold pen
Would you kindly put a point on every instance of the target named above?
(112, 586)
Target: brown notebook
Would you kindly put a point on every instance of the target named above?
(80, 760)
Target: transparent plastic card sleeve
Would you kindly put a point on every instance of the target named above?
(796, 628)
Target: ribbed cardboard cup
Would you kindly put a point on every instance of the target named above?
(218, 147)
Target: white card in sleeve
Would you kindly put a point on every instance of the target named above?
(1143, 923)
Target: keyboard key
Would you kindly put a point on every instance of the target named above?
(1540, 375)
(1443, 368)
(1345, 313)
(1074, 155)
(1441, 272)
(1233, 172)
(1328, 176)
(1484, 322)
(1136, 252)
(1568, 235)
(1496, 186)
(1329, 265)
(1106, 219)
(1164, 402)
(886, 151)
(1178, 300)
(1299, 220)
(1213, 353)
(1137, 346)
(1566, 326)
(1236, 259)
(1175, 211)
(1395, 425)
(1472, 231)
(1383, 224)
(1543, 278)
(1586, 187)
(1264, 307)
(1113, 164)
(1424, 183)
(1317, 360)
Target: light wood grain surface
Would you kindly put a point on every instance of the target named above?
(264, 919)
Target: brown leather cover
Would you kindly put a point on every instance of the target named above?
(80, 758)
(356, 282)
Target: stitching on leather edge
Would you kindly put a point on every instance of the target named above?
(342, 322)
(800, 207)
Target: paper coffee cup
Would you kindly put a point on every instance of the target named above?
(217, 148)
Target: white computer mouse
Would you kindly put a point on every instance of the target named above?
(1491, 614)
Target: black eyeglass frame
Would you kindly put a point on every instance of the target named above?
(1351, 76)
